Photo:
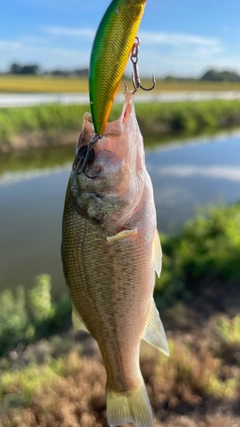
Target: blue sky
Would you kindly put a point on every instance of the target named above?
(177, 37)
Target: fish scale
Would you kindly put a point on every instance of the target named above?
(110, 52)
(91, 300)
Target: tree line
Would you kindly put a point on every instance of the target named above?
(211, 76)
(33, 69)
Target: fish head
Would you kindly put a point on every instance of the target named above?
(115, 172)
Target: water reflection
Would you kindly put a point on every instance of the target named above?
(215, 172)
(195, 174)
(184, 177)
(10, 178)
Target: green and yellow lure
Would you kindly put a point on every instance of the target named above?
(110, 52)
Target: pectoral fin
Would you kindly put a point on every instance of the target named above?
(78, 323)
(157, 253)
(154, 332)
(122, 235)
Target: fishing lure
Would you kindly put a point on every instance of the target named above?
(110, 52)
(112, 46)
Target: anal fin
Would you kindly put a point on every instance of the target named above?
(154, 332)
(78, 323)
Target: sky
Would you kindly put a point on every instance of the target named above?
(183, 38)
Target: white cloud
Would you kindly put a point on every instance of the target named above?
(10, 45)
(33, 40)
(229, 173)
(177, 39)
(161, 53)
(153, 38)
(87, 33)
(49, 57)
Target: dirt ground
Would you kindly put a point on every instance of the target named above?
(187, 390)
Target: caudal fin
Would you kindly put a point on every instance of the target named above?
(129, 407)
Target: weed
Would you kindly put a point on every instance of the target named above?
(228, 329)
(154, 119)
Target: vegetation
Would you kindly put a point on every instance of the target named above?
(78, 82)
(71, 390)
(25, 69)
(34, 69)
(207, 250)
(221, 76)
(27, 316)
(228, 329)
(200, 276)
(50, 121)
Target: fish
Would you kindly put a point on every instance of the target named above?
(110, 253)
(111, 48)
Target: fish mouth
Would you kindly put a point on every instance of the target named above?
(118, 126)
(107, 149)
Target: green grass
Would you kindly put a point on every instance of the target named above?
(228, 329)
(207, 250)
(31, 380)
(26, 316)
(43, 119)
(154, 119)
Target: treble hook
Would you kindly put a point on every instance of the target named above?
(85, 155)
(135, 77)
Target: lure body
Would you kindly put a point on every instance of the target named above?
(111, 48)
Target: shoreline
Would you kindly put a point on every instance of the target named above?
(55, 125)
(31, 140)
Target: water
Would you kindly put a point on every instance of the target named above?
(185, 176)
(31, 99)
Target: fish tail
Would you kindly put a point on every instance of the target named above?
(129, 406)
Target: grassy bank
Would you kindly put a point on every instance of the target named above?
(51, 84)
(47, 124)
(206, 252)
(55, 383)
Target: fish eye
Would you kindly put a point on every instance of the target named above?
(81, 154)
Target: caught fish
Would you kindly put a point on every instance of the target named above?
(110, 252)
(111, 48)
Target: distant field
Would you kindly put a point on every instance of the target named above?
(40, 84)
